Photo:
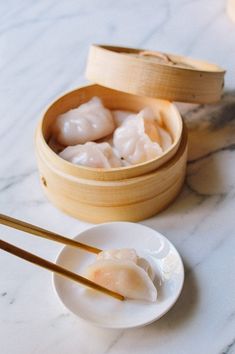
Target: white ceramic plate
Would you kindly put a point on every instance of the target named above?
(104, 311)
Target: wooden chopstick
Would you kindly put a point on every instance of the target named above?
(32, 258)
(38, 231)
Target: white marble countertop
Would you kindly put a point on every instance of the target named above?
(43, 48)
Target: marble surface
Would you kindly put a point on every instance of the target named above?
(43, 48)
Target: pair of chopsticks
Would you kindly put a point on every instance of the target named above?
(37, 231)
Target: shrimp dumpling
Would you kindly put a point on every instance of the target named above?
(119, 254)
(121, 116)
(124, 277)
(90, 121)
(92, 155)
(127, 254)
(137, 139)
(166, 140)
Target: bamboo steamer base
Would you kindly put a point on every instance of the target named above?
(112, 193)
(131, 199)
(132, 212)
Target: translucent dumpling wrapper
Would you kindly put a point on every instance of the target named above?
(151, 127)
(124, 277)
(145, 265)
(122, 270)
(90, 121)
(166, 140)
(127, 254)
(137, 139)
(92, 155)
(109, 139)
(122, 254)
(121, 116)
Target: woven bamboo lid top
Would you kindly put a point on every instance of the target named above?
(155, 74)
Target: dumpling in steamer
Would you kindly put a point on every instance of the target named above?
(92, 155)
(137, 139)
(90, 121)
(152, 127)
(124, 277)
(121, 116)
(166, 140)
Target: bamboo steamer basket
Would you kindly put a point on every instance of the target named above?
(112, 99)
(154, 74)
(129, 193)
(129, 199)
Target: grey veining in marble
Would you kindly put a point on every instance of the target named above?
(43, 49)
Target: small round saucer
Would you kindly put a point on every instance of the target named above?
(104, 311)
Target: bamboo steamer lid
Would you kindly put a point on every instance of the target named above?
(155, 74)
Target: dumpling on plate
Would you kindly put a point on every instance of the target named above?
(127, 254)
(122, 254)
(92, 154)
(90, 121)
(137, 139)
(123, 271)
(123, 276)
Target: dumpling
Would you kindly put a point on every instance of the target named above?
(137, 139)
(92, 155)
(123, 271)
(150, 125)
(124, 277)
(121, 254)
(90, 121)
(145, 265)
(166, 140)
(121, 116)
(127, 254)
(152, 128)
